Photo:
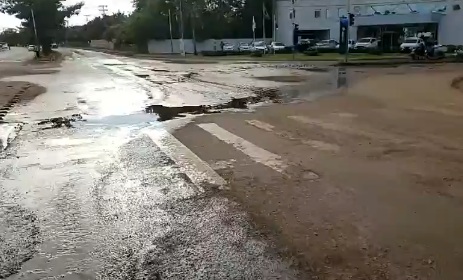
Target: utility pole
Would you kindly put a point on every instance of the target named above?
(346, 58)
(87, 17)
(103, 9)
(37, 43)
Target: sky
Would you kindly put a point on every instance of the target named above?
(90, 8)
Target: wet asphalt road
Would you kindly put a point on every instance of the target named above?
(93, 197)
(15, 54)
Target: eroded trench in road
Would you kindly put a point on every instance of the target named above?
(259, 96)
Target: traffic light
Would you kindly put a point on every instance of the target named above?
(296, 34)
(351, 19)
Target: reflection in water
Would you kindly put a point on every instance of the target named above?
(342, 77)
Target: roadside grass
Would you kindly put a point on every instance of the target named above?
(334, 57)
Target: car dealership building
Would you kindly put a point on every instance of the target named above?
(388, 20)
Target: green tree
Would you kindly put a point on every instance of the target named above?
(49, 16)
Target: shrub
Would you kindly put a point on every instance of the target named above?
(451, 48)
(311, 52)
(459, 55)
(256, 54)
(326, 50)
(213, 53)
(375, 51)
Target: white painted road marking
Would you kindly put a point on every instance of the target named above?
(261, 125)
(316, 144)
(189, 163)
(254, 152)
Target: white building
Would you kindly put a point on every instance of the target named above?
(319, 19)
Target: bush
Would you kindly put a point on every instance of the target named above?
(311, 52)
(286, 50)
(451, 48)
(213, 53)
(375, 51)
(256, 54)
(325, 50)
(459, 55)
(460, 47)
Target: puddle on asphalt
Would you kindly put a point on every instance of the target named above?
(260, 96)
(342, 77)
(60, 122)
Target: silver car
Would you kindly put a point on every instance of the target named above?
(242, 47)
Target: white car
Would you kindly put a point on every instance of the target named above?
(367, 43)
(327, 44)
(244, 47)
(31, 48)
(259, 46)
(228, 47)
(4, 46)
(351, 44)
(277, 46)
(410, 44)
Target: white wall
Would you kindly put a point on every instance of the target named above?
(164, 46)
(451, 29)
(102, 44)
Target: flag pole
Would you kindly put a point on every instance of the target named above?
(253, 29)
(263, 21)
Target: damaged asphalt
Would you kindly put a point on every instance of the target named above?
(86, 194)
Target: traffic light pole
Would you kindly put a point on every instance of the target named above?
(346, 57)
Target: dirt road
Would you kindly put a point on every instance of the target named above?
(365, 184)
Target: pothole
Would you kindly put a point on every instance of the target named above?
(261, 95)
(60, 122)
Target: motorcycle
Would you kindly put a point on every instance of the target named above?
(422, 52)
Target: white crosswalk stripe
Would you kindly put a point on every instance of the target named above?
(316, 144)
(256, 153)
(189, 163)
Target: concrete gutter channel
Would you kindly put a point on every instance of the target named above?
(8, 131)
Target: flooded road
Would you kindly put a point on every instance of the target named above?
(95, 187)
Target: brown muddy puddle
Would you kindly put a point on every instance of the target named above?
(166, 113)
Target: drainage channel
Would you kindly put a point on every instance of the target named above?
(13, 101)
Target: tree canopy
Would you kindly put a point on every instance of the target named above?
(49, 16)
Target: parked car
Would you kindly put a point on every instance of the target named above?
(441, 48)
(242, 47)
(54, 46)
(31, 48)
(367, 43)
(4, 46)
(410, 44)
(277, 46)
(228, 47)
(259, 46)
(351, 44)
(305, 44)
(326, 44)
